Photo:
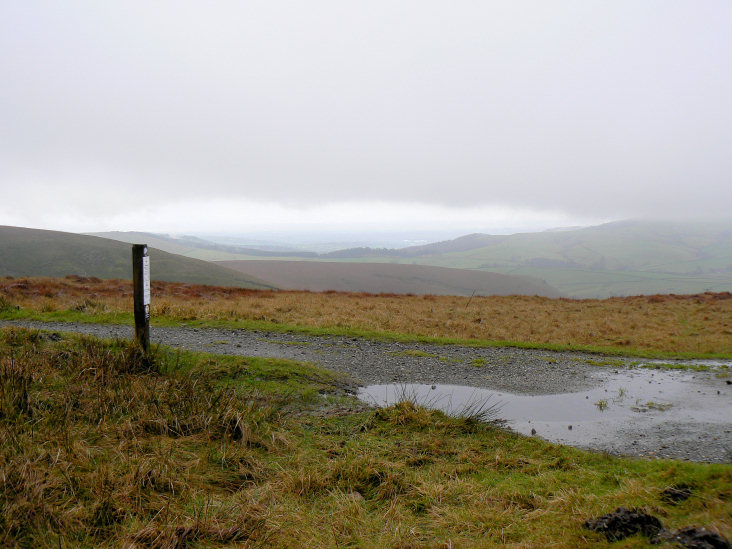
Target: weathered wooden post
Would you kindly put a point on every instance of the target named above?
(141, 294)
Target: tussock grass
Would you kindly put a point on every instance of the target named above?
(473, 411)
(98, 434)
(102, 446)
(672, 325)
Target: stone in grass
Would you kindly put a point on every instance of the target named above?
(623, 523)
(692, 537)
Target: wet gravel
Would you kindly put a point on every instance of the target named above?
(514, 370)
(369, 362)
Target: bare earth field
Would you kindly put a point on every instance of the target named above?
(699, 325)
(388, 277)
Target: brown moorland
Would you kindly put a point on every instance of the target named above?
(700, 324)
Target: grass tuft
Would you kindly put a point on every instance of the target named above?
(6, 306)
(103, 447)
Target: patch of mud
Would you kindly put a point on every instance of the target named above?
(675, 494)
(692, 537)
(623, 523)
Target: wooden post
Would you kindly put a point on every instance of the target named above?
(141, 294)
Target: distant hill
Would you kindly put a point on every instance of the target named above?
(34, 252)
(199, 248)
(390, 278)
(613, 259)
(618, 245)
(621, 258)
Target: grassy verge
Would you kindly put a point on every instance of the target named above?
(379, 335)
(104, 447)
(648, 326)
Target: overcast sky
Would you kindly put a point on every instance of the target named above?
(236, 116)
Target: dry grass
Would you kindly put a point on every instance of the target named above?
(102, 447)
(700, 324)
(97, 435)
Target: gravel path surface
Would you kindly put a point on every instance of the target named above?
(520, 371)
(525, 371)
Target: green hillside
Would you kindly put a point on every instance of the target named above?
(614, 259)
(622, 258)
(34, 252)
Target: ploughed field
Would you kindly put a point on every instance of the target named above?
(387, 277)
(683, 325)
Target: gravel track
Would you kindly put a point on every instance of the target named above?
(369, 362)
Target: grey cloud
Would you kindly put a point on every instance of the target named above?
(602, 109)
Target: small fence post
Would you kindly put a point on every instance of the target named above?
(141, 294)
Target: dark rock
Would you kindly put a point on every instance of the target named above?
(623, 523)
(675, 494)
(692, 537)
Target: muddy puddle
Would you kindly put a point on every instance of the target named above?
(625, 407)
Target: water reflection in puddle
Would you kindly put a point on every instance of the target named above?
(635, 399)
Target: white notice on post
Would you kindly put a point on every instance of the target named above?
(146, 280)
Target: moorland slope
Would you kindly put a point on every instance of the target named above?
(613, 259)
(35, 252)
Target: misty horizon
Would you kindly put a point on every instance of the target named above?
(396, 116)
(324, 242)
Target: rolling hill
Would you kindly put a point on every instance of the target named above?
(613, 259)
(35, 252)
(199, 248)
(623, 245)
(390, 278)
